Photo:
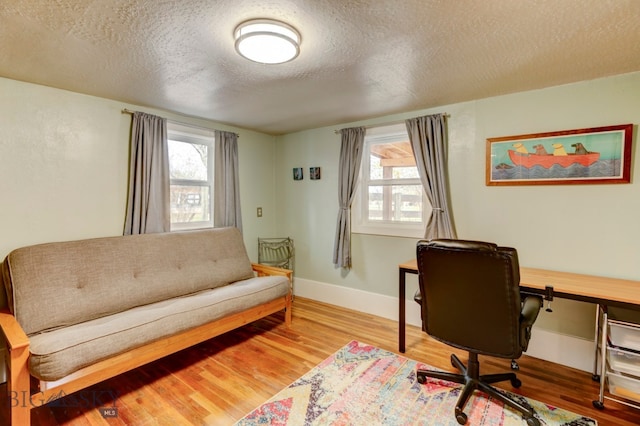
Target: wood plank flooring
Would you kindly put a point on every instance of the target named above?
(219, 381)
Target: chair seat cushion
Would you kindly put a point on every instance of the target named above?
(58, 353)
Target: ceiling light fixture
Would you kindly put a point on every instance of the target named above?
(267, 41)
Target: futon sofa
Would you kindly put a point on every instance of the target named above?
(78, 312)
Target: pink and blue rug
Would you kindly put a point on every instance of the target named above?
(364, 385)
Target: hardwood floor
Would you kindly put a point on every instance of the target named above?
(219, 381)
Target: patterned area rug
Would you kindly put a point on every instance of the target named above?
(365, 385)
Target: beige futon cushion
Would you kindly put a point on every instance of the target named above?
(61, 284)
(57, 353)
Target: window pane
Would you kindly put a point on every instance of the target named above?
(375, 203)
(406, 173)
(188, 160)
(190, 204)
(395, 203)
(392, 160)
(375, 168)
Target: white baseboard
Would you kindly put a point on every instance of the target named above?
(562, 349)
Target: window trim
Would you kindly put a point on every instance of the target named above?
(193, 135)
(360, 208)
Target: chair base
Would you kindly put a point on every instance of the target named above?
(472, 380)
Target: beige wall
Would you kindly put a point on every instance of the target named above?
(64, 167)
(591, 229)
(63, 175)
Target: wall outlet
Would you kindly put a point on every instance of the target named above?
(259, 211)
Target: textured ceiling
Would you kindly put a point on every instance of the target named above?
(359, 58)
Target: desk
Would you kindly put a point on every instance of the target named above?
(549, 284)
(604, 292)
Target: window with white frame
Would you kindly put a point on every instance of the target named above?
(191, 177)
(390, 199)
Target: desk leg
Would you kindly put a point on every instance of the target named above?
(599, 404)
(401, 310)
(596, 376)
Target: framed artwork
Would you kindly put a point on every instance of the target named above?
(583, 156)
(314, 173)
(297, 173)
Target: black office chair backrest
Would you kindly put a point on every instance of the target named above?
(471, 295)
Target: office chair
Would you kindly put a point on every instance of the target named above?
(471, 301)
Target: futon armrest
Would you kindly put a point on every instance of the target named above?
(13, 334)
(16, 361)
(265, 270)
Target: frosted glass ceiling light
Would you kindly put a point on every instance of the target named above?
(267, 41)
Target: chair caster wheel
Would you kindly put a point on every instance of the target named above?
(516, 383)
(532, 421)
(421, 379)
(461, 417)
(598, 404)
(595, 377)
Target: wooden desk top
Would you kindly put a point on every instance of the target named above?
(569, 285)
(411, 264)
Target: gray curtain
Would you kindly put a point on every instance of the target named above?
(428, 138)
(350, 159)
(226, 206)
(148, 204)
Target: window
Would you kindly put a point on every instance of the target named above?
(191, 177)
(390, 199)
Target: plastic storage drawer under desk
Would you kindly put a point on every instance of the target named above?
(624, 336)
(624, 386)
(623, 361)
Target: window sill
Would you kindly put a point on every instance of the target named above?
(396, 231)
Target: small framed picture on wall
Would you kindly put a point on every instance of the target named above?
(297, 173)
(314, 173)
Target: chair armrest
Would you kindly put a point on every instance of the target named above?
(265, 270)
(530, 308)
(13, 334)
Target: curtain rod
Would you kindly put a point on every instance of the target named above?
(128, 111)
(390, 123)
